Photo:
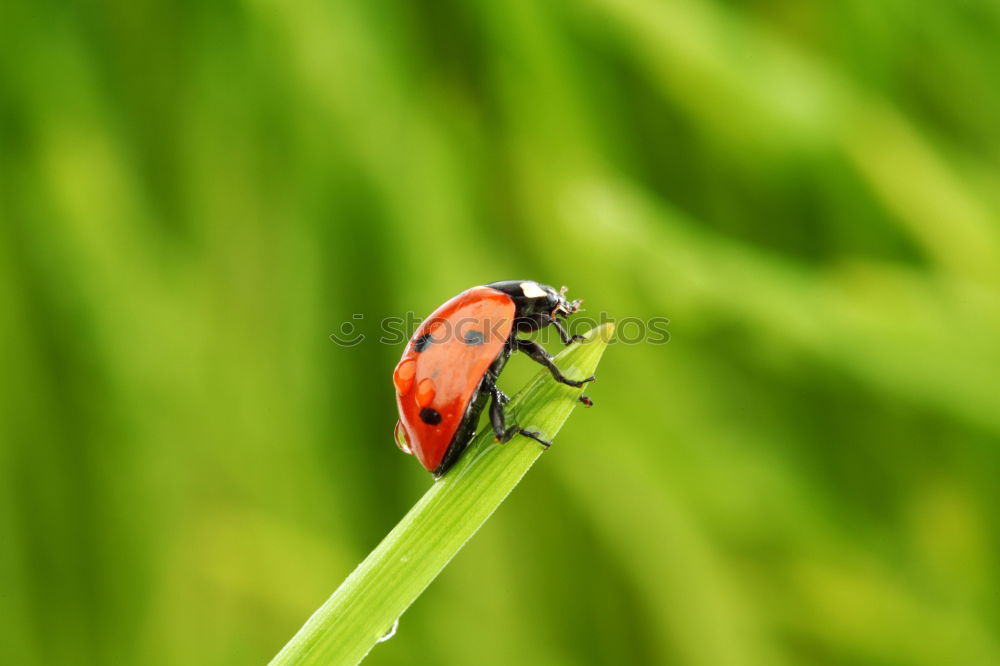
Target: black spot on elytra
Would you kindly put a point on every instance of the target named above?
(474, 338)
(421, 343)
(430, 416)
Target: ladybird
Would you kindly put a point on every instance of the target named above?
(450, 366)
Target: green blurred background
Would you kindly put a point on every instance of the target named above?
(195, 195)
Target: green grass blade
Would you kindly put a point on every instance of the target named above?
(382, 587)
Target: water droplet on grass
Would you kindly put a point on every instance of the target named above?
(389, 634)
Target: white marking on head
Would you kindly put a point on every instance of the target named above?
(532, 290)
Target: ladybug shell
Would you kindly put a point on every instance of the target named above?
(443, 366)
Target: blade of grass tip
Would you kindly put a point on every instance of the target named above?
(366, 607)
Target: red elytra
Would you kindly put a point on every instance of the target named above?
(446, 371)
(449, 368)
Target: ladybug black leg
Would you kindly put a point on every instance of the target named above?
(538, 354)
(497, 419)
(563, 335)
(533, 435)
(499, 423)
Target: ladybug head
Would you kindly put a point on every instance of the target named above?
(537, 304)
(563, 307)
